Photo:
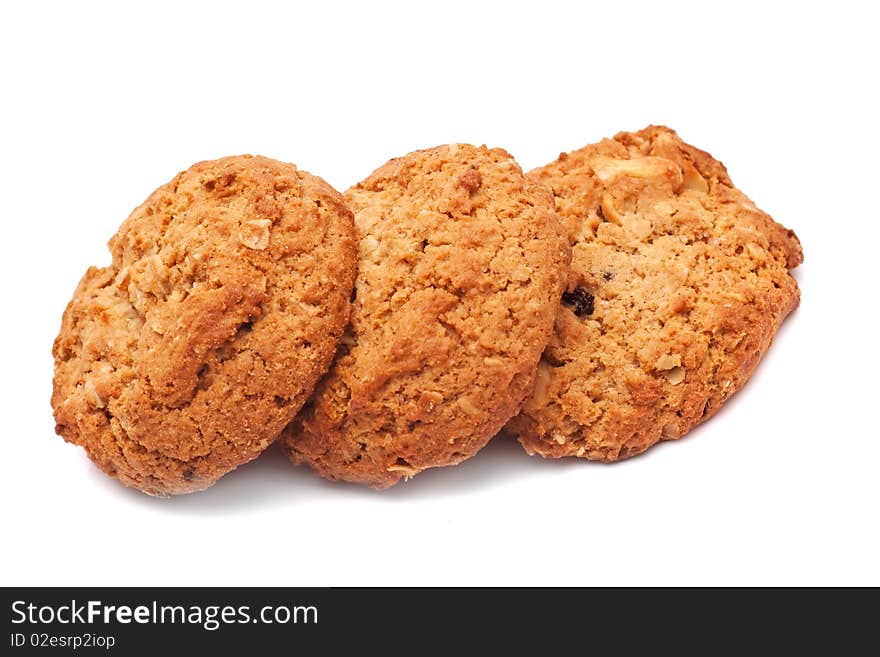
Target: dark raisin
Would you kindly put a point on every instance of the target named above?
(581, 300)
(608, 275)
(188, 474)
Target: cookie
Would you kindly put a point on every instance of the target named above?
(678, 285)
(226, 297)
(461, 264)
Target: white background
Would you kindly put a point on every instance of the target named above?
(102, 103)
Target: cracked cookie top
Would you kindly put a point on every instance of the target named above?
(678, 285)
(461, 264)
(227, 294)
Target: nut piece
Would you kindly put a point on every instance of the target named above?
(368, 244)
(609, 210)
(668, 361)
(640, 167)
(695, 182)
(542, 383)
(92, 393)
(671, 431)
(675, 375)
(406, 470)
(467, 406)
(254, 234)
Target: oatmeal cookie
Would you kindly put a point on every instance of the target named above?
(678, 285)
(227, 294)
(461, 265)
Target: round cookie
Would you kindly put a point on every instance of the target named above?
(461, 263)
(227, 294)
(678, 285)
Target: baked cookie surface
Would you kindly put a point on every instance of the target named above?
(461, 264)
(678, 286)
(227, 294)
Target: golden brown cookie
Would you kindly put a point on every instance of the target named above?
(460, 267)
(228, 292)
(678, 286)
